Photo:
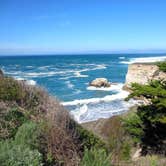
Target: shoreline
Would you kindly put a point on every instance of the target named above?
(96, 127)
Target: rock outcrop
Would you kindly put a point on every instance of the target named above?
(100, 82)
(142, 73)
(1, 73)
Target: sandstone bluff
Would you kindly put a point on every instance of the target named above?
(142, 73)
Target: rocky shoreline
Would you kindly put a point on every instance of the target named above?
(140, 73)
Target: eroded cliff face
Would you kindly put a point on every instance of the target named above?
(142, 73)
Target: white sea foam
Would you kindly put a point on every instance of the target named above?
(85, 110)
(66, 73)
(13, 72)
(19, 78)
(121, 57)
(29, 66)
(114, 87)
(44, 74)
(30, 82)
(77, 91)
(93, 111)
(43, 67)
(78, 74)
(69, 84)
(144, 60)
(108, 98)
(82, 110)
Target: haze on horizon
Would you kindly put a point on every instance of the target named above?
(78, 26)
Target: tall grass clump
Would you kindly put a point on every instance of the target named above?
(95, 157)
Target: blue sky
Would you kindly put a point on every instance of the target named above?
(76, 26)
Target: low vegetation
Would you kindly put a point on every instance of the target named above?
(162, 66)
(95, 157)
(36, 130)
(148, 125)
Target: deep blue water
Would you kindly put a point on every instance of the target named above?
(68, 76)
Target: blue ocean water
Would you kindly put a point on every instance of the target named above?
(67, 77)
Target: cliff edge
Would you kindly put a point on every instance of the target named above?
(142, 73)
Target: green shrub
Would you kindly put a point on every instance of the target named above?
(95, 157)
(162, 66)
(28, 135)
(88, 139)
(23, 149)
(149, 123)
(18, 155)
(125, 151)
(134, 126)
(10, 121)
(151, 160)
(10, 89)
(117, 138)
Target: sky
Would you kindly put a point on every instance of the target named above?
(77, 26)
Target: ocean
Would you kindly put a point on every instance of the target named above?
(67, 77)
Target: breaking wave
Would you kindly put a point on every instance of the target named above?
(85, 110)
(108, 98)
(114, 87)
(28, 82)
(144, 60)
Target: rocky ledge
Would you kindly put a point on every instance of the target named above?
(100, 82)
(142, 73)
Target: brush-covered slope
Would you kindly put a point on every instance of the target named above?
(36, 130)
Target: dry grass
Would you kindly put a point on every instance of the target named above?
(59, 141)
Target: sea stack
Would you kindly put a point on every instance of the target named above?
(100, 82)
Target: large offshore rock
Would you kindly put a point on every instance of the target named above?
(100, 82)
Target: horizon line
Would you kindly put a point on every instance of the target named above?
(82, 53)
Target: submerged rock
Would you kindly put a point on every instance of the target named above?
(100, 82)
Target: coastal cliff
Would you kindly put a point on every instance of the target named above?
(138, 136)
(142, 73)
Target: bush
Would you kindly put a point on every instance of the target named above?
(95, 157)
(10, 90)
(58, 144)
(162, 66)
(18, 155)
(134, 126)
(118, 140)
(28, 135)
(88, 139)
(10, 120)
(23, 149)
(149, 123)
